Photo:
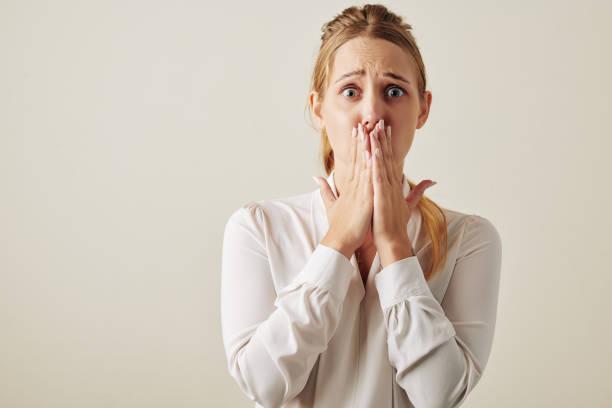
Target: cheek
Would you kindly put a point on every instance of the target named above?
(342, 147)
(400, 143)
(338, 124)
(339, 134)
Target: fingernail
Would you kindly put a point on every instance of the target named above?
(316, 181)
(382, 124)
(354, 132)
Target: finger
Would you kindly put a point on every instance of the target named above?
(369, 173)
(385, 138)
(417, 193)
(379, 173)
(390, 145)
(385, 162)
(353, 151)
(357, 165)
(368, 160)
(365, 177)
(362, 148)
(359, 156)
(392, 171)
(397, 170)
(393, 176)
(326, 192)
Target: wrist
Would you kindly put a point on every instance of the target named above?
(338, 245)
(394, 251)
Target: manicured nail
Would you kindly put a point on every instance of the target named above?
(316, 181)
(382, 124)
(354, 132)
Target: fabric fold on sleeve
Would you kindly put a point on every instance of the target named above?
(439, 353)
(399, 280)
(327, 269)
(272, 340)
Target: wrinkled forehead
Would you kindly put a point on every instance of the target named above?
(372, 56)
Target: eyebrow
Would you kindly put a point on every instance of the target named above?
(360, 72)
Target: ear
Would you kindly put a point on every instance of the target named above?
(315, 109)
(424, 108)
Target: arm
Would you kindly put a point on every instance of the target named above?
(440, 351)
(273, 340)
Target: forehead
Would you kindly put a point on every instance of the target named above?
(375, 55)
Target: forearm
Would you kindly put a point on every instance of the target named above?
(432, 364)
(271, 357)
(439, 352)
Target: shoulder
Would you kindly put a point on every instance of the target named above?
(475, 233)
(473, 224)
(261, 213)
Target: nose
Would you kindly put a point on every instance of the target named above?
(372, 111)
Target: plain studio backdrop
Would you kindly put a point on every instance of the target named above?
(130, 131)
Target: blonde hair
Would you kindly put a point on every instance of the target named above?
(376, 21)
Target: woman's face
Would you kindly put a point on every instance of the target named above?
(371, 79)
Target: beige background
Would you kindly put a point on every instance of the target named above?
(130, 131)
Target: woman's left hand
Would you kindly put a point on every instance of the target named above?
(391, 210)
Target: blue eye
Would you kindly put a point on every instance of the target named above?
(398, 88)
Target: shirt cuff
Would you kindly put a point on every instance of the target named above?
(400, 280)
(328, 269)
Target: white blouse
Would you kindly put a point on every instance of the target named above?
(301, 330)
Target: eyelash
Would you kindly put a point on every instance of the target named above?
(391, 87)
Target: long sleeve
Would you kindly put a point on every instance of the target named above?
(272, 340)
(441, 350)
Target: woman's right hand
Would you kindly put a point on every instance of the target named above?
(350, 215)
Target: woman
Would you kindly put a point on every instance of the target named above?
(362, 293)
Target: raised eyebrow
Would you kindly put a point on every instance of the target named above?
(360, 72)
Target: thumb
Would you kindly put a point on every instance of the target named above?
(326, 192)
(415, 196)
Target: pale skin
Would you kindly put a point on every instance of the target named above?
(370, 118)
